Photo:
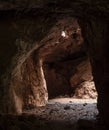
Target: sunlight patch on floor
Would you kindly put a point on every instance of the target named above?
(72, 100)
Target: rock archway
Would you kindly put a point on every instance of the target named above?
(58, 67)
(61, 53)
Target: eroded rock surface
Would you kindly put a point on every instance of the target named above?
(93, 19)
(82, 81)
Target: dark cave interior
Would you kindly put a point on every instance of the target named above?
(65, 73)
(52, 49)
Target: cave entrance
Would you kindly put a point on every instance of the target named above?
(58, 75)
(68, 74)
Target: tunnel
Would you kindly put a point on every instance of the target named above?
(46, 46)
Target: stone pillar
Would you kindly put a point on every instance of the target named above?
(25, 88)
(35, 90)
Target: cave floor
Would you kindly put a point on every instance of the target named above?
(67, 114)
(67, 109)
(58, 114)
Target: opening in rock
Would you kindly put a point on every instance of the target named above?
(61, 71)
(66, 63)
(53, 81)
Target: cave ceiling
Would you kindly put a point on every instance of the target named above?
(81, 8)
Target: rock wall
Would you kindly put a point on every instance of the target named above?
(82, 81)
(99, 61)
(70, 78)
(19, 38)
(34, 90)
(94, 23)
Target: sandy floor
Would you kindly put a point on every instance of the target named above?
(67, 109)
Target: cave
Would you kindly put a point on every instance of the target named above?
(66, 62)
(46, 46)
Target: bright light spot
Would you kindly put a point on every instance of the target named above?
(63, 34)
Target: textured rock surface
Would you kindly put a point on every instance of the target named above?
(93, 17)
(82, 81)
(35, 90)
(86, 90)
